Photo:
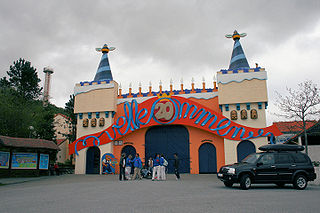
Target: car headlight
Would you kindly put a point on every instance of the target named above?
(231, 171)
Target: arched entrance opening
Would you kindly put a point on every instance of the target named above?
(207, 159)
(129, 150)
(93, 160)
(244, 149)
(167, 140)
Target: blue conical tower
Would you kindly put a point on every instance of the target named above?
(104, 71)
(238, 59)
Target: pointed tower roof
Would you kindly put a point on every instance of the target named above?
(238, 59)
(104, 70)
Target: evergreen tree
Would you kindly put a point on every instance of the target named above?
(69, 111)
(4, 83)
(24, 78)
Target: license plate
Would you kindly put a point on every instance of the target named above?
(220, 175)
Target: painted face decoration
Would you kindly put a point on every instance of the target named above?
(253, 114)
(101, 122)
(93, 122)
(244, 114)
(85, 122)
(233, 115)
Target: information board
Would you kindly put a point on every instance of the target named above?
(4, 160)
(44, 161)
(24, 160)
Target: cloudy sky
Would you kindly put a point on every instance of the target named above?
(159, 40)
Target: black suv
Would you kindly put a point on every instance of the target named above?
(279, 164)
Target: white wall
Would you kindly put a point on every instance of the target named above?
(80, 167)
(230, 148)
(314, 152)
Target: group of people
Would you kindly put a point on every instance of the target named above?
(126, 165)
(156, 167)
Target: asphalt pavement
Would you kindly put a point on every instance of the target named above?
(193, 193)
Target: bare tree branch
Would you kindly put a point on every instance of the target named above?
(301, 104)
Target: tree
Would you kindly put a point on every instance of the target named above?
(301, 104)
(22, 114)
(69, 110)
(24, 78)
(4, 83)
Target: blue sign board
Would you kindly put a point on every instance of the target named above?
(24, 161)
(4, 160)
(44, 161)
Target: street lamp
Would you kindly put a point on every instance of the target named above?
(31, 128)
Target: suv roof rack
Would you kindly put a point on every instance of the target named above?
(281, 147)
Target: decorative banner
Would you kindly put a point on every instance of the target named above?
(109, 163)
(4, 160)
(44, 161)
(24, 161)
(171, 110)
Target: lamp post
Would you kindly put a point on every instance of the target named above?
(31, 128)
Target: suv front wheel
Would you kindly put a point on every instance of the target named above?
(300, 182)
(245, 182)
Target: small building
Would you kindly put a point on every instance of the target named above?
(313, 138)
(290, 128)
(26, 156)
(63, 128)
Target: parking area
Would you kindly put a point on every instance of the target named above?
(194, 193)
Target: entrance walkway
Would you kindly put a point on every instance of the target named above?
(194, 193)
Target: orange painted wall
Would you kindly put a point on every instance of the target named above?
(212, 103)
(135, 139)
(197, 137)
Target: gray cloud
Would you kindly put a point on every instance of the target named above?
(155, 40)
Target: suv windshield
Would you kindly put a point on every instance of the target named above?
(251, 158)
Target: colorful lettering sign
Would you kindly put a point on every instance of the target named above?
(44, 161)
(4, 160)
(171, 110)
(24, 161)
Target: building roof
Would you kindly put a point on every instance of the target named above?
(104, 70)
(292, 126)
(27, 143)
(238, 58)
(60, 141)
(66, 117)
(313, 130)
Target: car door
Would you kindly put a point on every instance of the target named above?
(283, 163)
(265, 170)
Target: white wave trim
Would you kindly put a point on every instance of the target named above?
(239, 77)
(207, 95)
(84, 89)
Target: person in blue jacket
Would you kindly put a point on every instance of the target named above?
(128, 167)
(137, 163)
(163, 164)
(156, 167)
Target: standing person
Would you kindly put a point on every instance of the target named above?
(128, 167)
(176, 166)
(163, 164)
(137, 167)
(156, 167)
(56, 169)
(150, 165)
(122, 165)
